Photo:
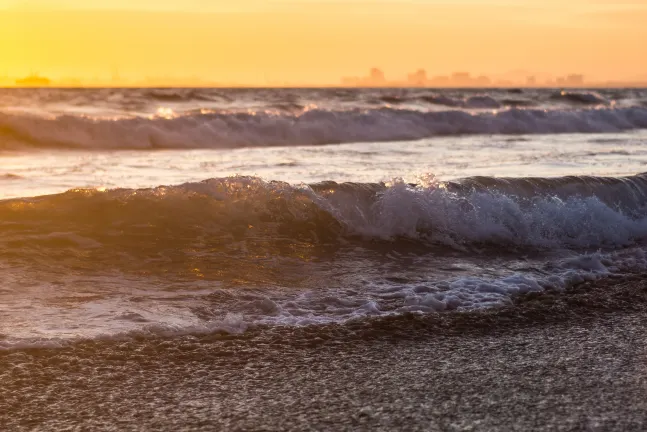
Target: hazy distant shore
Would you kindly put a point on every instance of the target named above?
(137, 85)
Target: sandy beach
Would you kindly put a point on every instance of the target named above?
(572, 361)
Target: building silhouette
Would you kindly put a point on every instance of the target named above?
(418, 78)
(33, 80)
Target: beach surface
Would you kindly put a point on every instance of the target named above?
(552, 361)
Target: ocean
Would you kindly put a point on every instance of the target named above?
(322, 259)
(147, 213)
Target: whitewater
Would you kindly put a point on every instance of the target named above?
(130, 213)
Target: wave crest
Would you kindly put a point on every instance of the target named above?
(583, 98)
(217, 215)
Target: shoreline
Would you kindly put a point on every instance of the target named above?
(558, 361)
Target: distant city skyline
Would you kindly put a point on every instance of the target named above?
(375, 77)
(420, 78)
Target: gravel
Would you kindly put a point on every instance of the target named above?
(558, 361)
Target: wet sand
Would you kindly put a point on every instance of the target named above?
(569, 361)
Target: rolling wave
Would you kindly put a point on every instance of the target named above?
(228, 253)
(311, 127)
(584, 98)
(215, 215)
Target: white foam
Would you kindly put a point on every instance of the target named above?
(469, 293)
(478, 217)
(327, 304)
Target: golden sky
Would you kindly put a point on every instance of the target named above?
(317, 41)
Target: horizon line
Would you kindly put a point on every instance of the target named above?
(591, 85)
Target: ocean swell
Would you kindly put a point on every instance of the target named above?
(228, 253)
(216, 215)
(222, 129)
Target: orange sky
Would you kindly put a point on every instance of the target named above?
(317, 41)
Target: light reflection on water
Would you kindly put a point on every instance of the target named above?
(38, 173)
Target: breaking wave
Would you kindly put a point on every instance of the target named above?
(569, 212)
(222, 129)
